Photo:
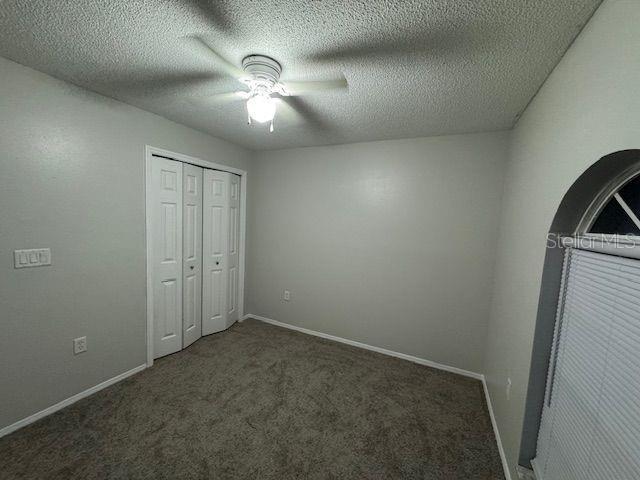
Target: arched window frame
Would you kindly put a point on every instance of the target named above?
(572, 221)
(612, 243)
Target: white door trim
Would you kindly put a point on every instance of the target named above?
(149, 152)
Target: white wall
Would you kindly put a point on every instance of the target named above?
(388, 243)
(72, 178)
(589, 107)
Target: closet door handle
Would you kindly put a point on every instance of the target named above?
(191, 267)
(217, 263)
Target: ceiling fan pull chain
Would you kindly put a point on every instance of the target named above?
(271, 127)
(248, 118)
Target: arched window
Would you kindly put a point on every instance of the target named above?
(611, 223)
(590, 419)
(620, 215)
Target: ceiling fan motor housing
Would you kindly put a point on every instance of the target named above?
(262, 69)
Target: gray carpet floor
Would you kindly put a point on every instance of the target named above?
(262, 402)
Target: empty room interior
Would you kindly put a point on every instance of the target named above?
(334, 239)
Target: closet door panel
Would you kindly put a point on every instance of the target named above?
(166, 219)
(215, 246)
(192, 252)
(233, 261)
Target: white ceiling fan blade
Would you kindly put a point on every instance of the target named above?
(228, 96)
(217, 98)
(303, 88)
(222, 63)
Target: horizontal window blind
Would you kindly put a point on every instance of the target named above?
(590, 427)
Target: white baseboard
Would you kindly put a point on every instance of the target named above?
(64, 403)
(384, 351)
(494, 424)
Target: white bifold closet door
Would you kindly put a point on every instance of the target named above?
(166, 220)
(234, 244)
(220, 250)
(590, 426)
(192, 258)
(195, 229)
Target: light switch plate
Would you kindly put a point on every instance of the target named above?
(34, 257)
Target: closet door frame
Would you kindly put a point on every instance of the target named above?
(150, 154)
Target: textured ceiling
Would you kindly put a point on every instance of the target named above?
(414, 67)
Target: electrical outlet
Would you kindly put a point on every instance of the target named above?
(79, 345)
(508, 388)
(286, 296)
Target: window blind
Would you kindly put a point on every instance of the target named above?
(590, 426)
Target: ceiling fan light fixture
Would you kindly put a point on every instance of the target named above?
(261, 77)
(261, 108)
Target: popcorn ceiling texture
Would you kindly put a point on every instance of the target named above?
(415, 67)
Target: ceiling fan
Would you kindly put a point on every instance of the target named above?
(261, 77)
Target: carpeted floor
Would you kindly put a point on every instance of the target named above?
(262, 402)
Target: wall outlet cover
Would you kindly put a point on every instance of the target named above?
(79, 345)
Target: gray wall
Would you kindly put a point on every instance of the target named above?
(388, 243)
(587, 108)
(72, 178)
